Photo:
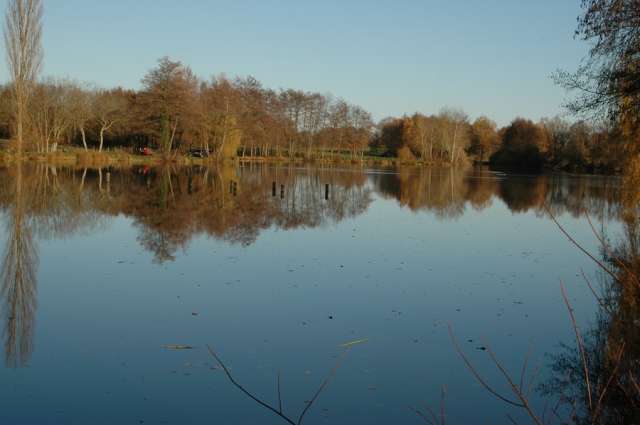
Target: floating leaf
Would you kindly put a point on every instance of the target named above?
(356, 342)
(177, 347)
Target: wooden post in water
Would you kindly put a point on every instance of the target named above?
(281, 191)
(273, 190)
(326, 192)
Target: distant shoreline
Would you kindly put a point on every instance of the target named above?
(76, 156)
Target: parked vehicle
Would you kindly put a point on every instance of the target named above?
(144, 151)
(199, 153)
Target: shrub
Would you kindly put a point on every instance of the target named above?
(405, 155)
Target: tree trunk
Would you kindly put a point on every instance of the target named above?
(173, 135)
(84, 138)
(224, 140)
(19, 129)
(453, 148)
(101, 139)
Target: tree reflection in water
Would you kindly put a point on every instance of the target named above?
(18, 278)
(609, 391)
(169, 206)
(595, 380)
(35, 206)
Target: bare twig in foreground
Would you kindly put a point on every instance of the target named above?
(607, 249)
(514, 387)
(593, 292)
(596, 413)
(577, 245)
(279, 410)
(518, 391)
(434, 419)
(580, 342)
(475, 373)
(424, 417)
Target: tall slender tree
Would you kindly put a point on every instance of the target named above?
(23, 43)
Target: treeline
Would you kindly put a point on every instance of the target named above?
(450, 137)
(177, 111)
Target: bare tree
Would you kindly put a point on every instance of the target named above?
(168, 101)
(456, 131)
(109, 109)
(23, 43)
(82, 105)
(51, 113)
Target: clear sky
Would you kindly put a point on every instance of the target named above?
(492, 57)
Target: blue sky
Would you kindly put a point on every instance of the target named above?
(492, 57)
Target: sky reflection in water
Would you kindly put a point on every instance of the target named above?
(102, 268)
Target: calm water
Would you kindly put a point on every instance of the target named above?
(103, 270)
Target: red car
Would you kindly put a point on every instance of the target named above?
(145, 151)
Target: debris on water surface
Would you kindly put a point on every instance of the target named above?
(352, 343)
(177, 347)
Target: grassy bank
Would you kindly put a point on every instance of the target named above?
(124, 158)
(92, 158)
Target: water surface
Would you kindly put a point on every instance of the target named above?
(275, 267)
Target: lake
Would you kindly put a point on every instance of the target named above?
(115, 281)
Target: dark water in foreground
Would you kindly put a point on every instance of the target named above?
(103, 270)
